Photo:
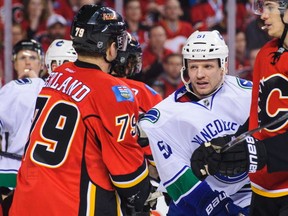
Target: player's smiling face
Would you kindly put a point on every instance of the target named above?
(205, 76)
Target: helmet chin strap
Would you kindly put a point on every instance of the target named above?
(281, 49)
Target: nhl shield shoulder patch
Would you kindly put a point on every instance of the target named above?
(122, 93)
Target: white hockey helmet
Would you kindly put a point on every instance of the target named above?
(60, 51)
(204, 45)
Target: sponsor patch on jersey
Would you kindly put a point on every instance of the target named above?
(23, 81)
(244, 83)
(152, 115)
(123, 93)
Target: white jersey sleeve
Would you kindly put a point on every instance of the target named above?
(18, 99)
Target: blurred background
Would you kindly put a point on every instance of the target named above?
(161, 27)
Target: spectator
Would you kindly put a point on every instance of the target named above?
(68, 8)
(154, 54)
(177, 31)
(133, 16)
(152, 11)
(242, 60)
(205, 15)
(88, 118)
(56, 29)
(170, 76)
(36, 13)
(17, 33)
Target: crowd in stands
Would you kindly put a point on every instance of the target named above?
(161, 27)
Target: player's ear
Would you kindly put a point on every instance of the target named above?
(225, 69)
(111, 52)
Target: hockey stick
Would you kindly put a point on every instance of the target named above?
(243, 136)
(11, 155)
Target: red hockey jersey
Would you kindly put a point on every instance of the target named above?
(269, 101)
(83, 145)
(147, 98)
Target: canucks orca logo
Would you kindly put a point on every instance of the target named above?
(246, 84)
(59, 43)
(231, 180)
(152, 115)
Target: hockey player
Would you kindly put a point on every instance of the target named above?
(196, 113)
(82, 156)
(20, 96)
(269, 184)
(27, 56)
(59, 52)
(127, 64)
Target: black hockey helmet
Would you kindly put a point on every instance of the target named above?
(94, 26)
(28, 45)
(130, 59)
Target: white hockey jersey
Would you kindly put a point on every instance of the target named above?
(175, 129)
(18, 99)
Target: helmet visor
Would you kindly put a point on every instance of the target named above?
(264, 6)
(122, 41)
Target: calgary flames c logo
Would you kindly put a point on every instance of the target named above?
(273, 99)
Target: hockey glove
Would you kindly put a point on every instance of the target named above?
(218, 203)
(143, 140)
(249, 155)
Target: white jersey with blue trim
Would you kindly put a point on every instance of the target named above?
(18, 99)
(176, 128)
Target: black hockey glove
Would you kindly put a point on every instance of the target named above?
(247, 156)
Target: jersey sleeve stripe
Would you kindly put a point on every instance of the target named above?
(127, 183)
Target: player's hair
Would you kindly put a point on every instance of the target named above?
(129, 62)
(60, 51)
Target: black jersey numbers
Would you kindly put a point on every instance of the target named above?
(56, 131)
(124, 121)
